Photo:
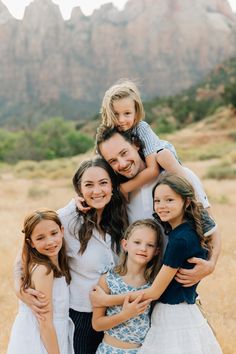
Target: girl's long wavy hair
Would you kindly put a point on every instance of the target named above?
(192, 209)
(154, 264)
(114, 219)
(31, 257)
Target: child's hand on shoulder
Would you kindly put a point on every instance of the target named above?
(79, 203)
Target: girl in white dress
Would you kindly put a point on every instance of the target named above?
(177, 324)
(45, 268)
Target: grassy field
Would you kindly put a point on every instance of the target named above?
(19, 194)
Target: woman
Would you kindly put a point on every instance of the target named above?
(93, 243)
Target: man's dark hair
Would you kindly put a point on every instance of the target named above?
(104, 133)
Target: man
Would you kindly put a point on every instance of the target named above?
(122, 154)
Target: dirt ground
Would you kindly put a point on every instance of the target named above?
(18, 196)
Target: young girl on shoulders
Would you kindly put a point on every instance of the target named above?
(126, 326)
(122, 108)
(45, 268)
(176, 314)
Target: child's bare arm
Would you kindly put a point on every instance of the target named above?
(168, 162)
(33, 298)
(43, 282)
(147, 175)
(162, 280)
(101, 322)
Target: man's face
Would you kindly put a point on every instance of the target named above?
(122, 156)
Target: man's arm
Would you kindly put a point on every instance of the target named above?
(202, 268)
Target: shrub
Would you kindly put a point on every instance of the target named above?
(221, 172)
(52, 139)
(230, 94)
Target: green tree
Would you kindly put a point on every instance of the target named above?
(7, 143)
(229, 95)
(59, 138)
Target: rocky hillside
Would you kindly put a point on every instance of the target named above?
(53, 67)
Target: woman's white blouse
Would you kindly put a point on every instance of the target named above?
(86, 268)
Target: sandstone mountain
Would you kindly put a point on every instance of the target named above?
(51, 66)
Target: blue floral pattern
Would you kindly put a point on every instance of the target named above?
(105, 269)
(135, 329)
(104, 348)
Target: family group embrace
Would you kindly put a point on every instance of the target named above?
(116, 270)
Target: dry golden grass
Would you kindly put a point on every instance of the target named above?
(18, 196)
(15, 202)
(217, 291)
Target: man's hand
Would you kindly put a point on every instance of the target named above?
(36, 301)
(189, 277)
(134, 308)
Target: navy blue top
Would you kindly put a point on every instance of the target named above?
(183, 243)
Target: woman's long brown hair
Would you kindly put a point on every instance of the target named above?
(31, 257)
(114, 219)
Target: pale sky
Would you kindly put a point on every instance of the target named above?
(17, 7)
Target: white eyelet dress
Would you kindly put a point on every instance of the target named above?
(25, 334)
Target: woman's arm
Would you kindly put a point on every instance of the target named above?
(147, 175)
(43, 282)
(101, 322)
(166, 274)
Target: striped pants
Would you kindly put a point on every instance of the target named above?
(86, 339)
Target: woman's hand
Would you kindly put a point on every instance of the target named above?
(79, 203)
(36, 301)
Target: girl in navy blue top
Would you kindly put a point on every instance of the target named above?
(177, 324)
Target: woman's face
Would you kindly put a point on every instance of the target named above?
(96, 187)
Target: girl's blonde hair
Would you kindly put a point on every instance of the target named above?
(154, 264)
(122, 89)
(31, 257)
(193, 210)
